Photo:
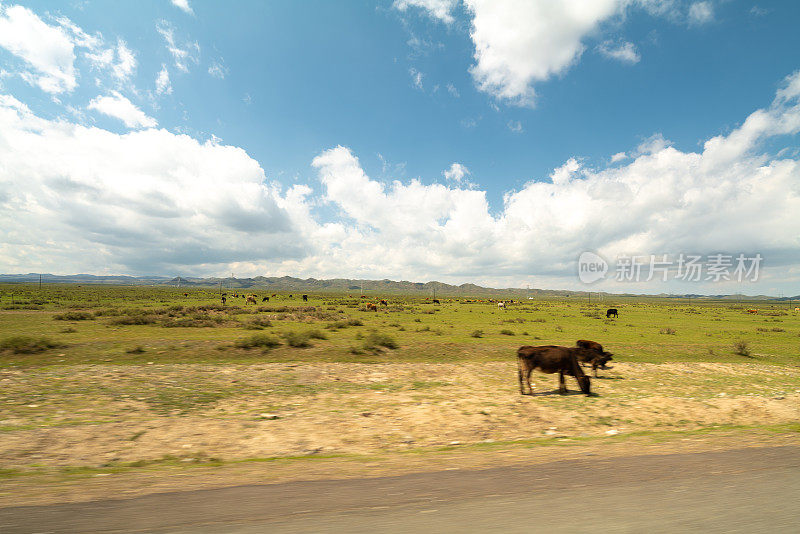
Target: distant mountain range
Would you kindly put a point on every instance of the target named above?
(338, 285)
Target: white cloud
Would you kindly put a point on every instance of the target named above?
(74, 198)
(453, 90)
(621, 51)
(218, 69)
(619, 156)
(520, 42)
(163, 84)
(456, 172)
(437, 9)
(564, 174)
(183, 5)
(126, 61)
(515, 126)
(701, 13)
(46, 49)
(121, 108)
(416, 78)
(153, 201)
(182, 56)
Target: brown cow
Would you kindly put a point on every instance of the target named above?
(384, 303)
(753, 311)
(592, 352)
(550, 359)
(251, 298)
(371, 307)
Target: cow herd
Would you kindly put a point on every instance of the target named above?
(551, 359)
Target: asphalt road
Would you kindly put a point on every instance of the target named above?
(746, 490)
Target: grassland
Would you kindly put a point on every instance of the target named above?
(113, 377)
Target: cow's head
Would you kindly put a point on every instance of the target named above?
(585, 384)
(604, 359)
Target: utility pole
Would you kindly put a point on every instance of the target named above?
(40, 282)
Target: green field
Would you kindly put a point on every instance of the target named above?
(106, 379)
(98, 324)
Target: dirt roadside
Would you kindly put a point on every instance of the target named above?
(84, 487)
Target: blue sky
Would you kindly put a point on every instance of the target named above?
(457, 140)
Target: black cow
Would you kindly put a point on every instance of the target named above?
(611, 312)
(305, 298)
(265, 299)
(551, 359)
(435, 301)
(592, 352)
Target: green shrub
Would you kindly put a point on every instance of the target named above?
(506, 332)
(297, 339)
(257, 323)
(265, 341)
(742, 348)
(477, 333)
(138, 349)
(317, 334)
(668, 331)
(374, 340)
(28, 344)
(74, 316)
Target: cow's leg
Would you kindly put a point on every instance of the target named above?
(562, 385)
(594, 368)
(520, 375)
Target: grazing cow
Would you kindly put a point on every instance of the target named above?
(797, 309)
(223, 300)
(501, 305)
(550, 359)
(274, 294)
(384, 303)
(251, 298)
(592, 352)
(305, 298)
(363, 296)
(436, 301)
(611, 312)
(265, 299)
(753, 311)
(186, 294)
(371, 307)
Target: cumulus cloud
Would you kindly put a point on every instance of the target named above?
(47, 50)
(119, 107)
(438, 9)
(76, 199)
(182, 55)
(621, 51)
(183, 5)
(520, 42)
(163, 84)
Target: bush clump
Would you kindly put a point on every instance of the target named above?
(74, 316)
(374, 340)
(506, 332)
(265, 341)
(257, 323)
(299, 340)
(28, 344)
(668, 331)
(477, 333)
(742, 348)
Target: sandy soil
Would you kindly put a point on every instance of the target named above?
(96, 416)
